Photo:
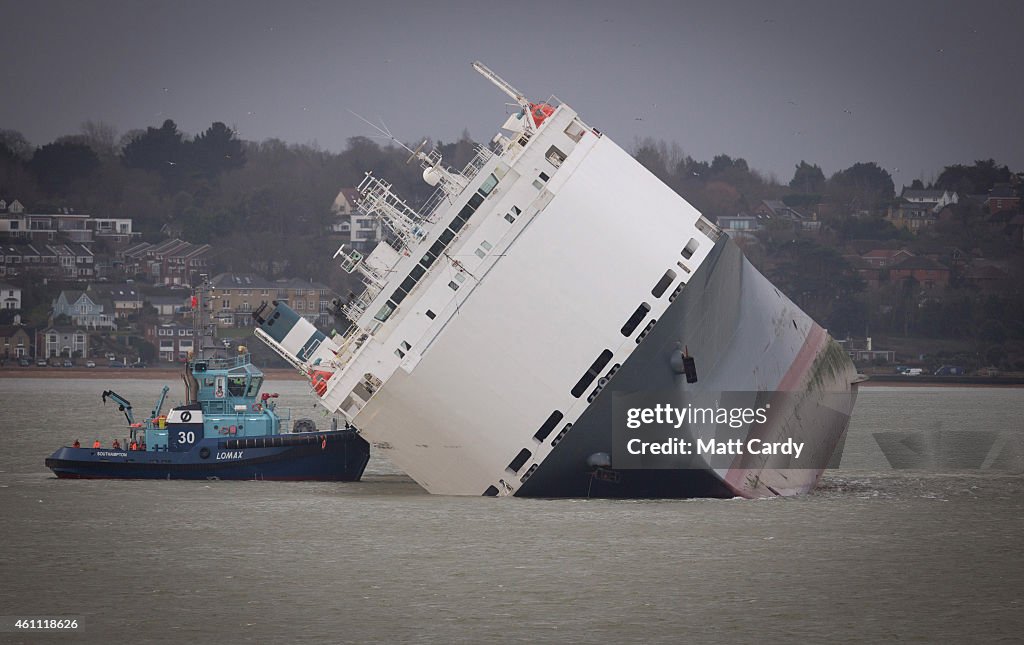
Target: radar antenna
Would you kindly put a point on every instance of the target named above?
(434, 173)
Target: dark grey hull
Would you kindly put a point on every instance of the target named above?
(744, 335)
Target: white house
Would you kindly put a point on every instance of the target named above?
(63, 341)
(364, 231)
(938, 199)
(10, 296)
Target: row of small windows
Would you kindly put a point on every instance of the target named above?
(601, 362)
(437, 249)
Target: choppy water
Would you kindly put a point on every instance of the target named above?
(876, 553)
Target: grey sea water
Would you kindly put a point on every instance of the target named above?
(932, 554)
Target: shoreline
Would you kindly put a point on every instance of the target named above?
(147, 373)
(288, 374)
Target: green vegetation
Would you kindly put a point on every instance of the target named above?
(265, 207)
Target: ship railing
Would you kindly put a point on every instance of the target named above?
(226, 363)
(284, 415)
(353, 340)
(356, 307)
(438, 197)
(479, 160)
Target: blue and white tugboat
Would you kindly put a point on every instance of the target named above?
(226, 429)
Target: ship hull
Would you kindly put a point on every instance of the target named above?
(323, 456)
(754, 340)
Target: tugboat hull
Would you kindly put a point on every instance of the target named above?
(321, 456)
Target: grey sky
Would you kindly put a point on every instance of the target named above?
(912, 85)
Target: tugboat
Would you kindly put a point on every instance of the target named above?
(226, 429)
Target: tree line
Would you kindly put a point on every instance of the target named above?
(266, 205)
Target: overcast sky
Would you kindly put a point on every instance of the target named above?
(913, 85)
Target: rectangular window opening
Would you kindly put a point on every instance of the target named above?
(574, 131)
(549, 425)
(635, 320)
(385, 312)
(516, 464)
(690, 248)
(591, 373)
(488, 185)
(555, 156)
(663, 284)
(431, 314)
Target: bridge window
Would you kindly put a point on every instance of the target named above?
(254, 386)
(488, 185)
(236, 385)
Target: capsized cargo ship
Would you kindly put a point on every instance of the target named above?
(225, 429)
(501, 318)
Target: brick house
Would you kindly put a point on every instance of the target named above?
(927, 272)
(15, 342)
(173, 341)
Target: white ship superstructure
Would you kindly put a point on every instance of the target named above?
(494, 317)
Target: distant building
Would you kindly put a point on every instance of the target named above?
(10, 296)
(344, 207)
(1002, 198)
(172, 262)
(934, 198)
(168, 305)
(62, 341)
(927, 272)
(881, 258)
(740, 226)
(919, 209)
(71, 260)
(773, 209)
(364, 231)
(860, 350)
(989, 278)
(63, 225)
(125, 298)
(84, 311)
(869, 273)
(173, 341)
(236, 295)
(15, 342)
